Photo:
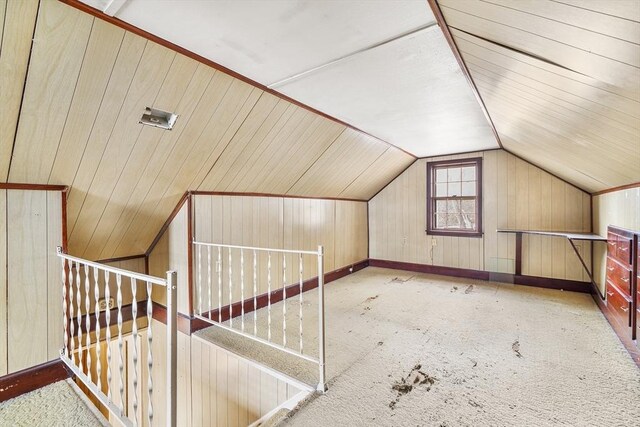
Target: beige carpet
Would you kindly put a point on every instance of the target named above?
(423, 350)
(56, 405)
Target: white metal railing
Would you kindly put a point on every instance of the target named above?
(242, 274)
(79, 276)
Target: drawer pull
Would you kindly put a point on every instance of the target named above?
(624, 309)
(610, 268)
(612, 243)
(610, 293)
(624, 248)
(625, 279)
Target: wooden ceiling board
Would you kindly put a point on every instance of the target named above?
(563, 83)
(337, 167)
(18, 22)
(626, 9)
(575, 122)
(382, 171)
(56, 57)
(601, 57)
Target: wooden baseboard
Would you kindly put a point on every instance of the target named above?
(540, 282)
(189, 325)
(30, 379)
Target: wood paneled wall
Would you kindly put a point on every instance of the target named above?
(86, 86)
(172, 253)
(280, 223)
(215, 387)
(30, 278)
(619, 208)
(516, 194)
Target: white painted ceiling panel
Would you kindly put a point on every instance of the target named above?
(409, 92)
(268, 41)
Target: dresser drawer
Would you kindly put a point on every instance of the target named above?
(624, 248)
(619, 304)
(619, 275)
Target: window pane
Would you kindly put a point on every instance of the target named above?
(453, 206)
(441, 190)
(440, 221)
(441, 206)
(469, 188)
(441, 175)
(469, 173)
(454, 174)
(453, 189)
(469, 206)
(453, 220)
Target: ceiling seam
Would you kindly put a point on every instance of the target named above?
(24, 87)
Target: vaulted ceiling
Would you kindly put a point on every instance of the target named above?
(560, 80)
(71, 101)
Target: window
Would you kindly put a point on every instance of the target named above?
(454, 197)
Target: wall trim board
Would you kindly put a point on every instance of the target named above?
(40, 187)
(190, 238)
(30, 379)
(437, 13)
(621, 331)
(285, 196)
(166, 224)
(435, 158)
(123, 258)
(614, 189)
(190, 324)
(142, 33)
(518, 279)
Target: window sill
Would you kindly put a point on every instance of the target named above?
(454, 233)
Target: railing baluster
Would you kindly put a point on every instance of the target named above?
(200, 280)
(300, 267)
(268, 296)
(107, 318)
(219, 285)
(284, 300)
(255, 294)
(96, 294)
(79, 317)
(209, 277)
(150, 352)
(230, 290)
(242, 287)
(134, 336)
(120, 343)
(65, 320)
(72, 318)
(87, 306)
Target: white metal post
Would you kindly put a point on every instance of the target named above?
(172, 346)
(321, 382)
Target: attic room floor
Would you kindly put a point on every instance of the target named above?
(416, 349)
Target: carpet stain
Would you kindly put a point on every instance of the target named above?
(469, 289)
(415, 378)
(455, 288)
(516, 348)
(371, 298)
(399, 280)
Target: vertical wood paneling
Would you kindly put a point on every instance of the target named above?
(27, 278)
(3, 282)
(516, 194)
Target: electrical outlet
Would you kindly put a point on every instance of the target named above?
(103, 304)
(434, 242)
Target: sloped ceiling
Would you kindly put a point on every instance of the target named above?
(71, 101)
(381, 66)
(560, 80)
